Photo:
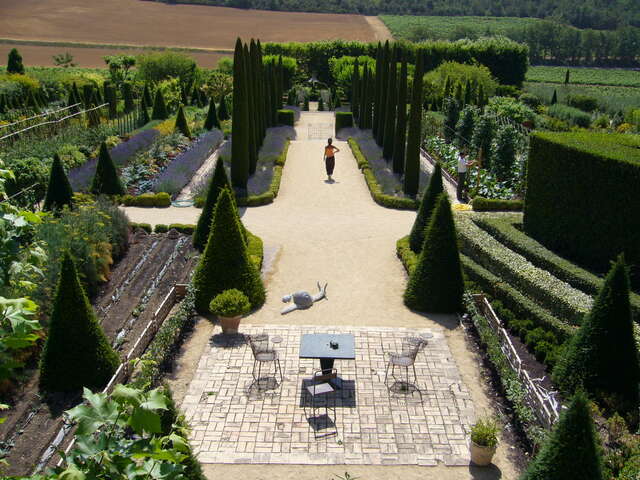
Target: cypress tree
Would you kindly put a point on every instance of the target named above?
(336, 99)
(376, 92)
(448, 88)
(427, 205)
(127, 95)
(223, 110)
(256, 100)
(280, 83)
(572, 450)
(192, 94)
(182, 125)
(159, 111)
(110, 96)
(482, 138)
(59, 191)
(3, 103)
(219, 181)
(144, 112)
(240, 125)
(554, 98)
(481, 100)
(106, 180)
(459, 94)
(384, 90)
(567, 77)
(412, 158)
(252, 132)
(14, 62)
(466, 124)
(436, 284)
(146, 94)
(93, 115)
(274, 98)
(225, 263)
(355, 94)
(212, 118)
(468, 93)
(602, 357)
(400, 136)
(76, 353)
(362, 88)
(391, 108)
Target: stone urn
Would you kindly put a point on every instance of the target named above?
(229, 306)
(230, 325)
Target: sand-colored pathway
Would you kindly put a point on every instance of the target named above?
(333, 232)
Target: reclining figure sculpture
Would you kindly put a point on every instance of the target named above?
(303, 300)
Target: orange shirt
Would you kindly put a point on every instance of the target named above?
(328, 150)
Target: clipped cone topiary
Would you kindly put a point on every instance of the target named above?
(14, 62)
(225, 263)
(59, 191)
(219, 181)
(572, 450)
(436, 284)
(76, 354)
(602, 357)
(159, 107)
(212, 118)
(144, 112)
(182, 125)
(106, 180)
(146, 95)
(427, 205)
(223, 110)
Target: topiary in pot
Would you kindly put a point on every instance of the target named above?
(484, 440)
(229, 307)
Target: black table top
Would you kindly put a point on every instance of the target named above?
(317, 345)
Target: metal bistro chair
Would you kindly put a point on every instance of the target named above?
(407, 358)
(321, 388)
(263, 354)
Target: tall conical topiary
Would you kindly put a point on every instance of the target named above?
(375, 100)
(355, 93)
(144, 111)
(412, 156)
(391, 107)
(602, 357)
(436, 284)
(223, 110)
(468, 93)
(427, 205)
(240, 140)
(572, 449)
(400, 136)
(554, 98)
(14, 62)
(182, 125)
(59, 191)
(127, 95)
(212, 117)
(219, 181)
(146, 95)
(384, 91)
(225, 263)
(76, 353)
(106, 180)
(159, 107)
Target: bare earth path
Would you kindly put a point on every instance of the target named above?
(335, 233)
(380, 30)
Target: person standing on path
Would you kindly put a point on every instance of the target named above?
(463, 165)
(329, 158)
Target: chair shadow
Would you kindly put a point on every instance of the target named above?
(224, 340)
(262, 387)
(490, 472)
(345, 397)
(323, 422)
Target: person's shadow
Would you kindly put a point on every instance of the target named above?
(330, 182)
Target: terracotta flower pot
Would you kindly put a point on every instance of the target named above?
(481, 455)
(230, 324)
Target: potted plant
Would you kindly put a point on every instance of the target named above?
(229, 307)
(484, 440)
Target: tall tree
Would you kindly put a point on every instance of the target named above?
(377, 92)
(427, 205)
(251, 124)
(14, 62)
(400, 136)
(412, 159)
(384, 91)
(59, 191)
(127, 94)
(391, 108)
(355, 94)
(240, 127)
(76, 353)
(106, 180)
(362, 98)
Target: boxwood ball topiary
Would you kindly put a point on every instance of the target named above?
(436, 284)
(106, 180)
(431, 194)
(76, 353)
(572, 450)
(59, 191)
(225, 263)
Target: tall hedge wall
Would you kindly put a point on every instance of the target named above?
(507, 60)
(583, 197)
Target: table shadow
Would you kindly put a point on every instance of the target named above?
(345, 397)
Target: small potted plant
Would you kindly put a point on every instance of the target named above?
(484, 440)
(229, 307)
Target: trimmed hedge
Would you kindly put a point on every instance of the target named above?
(505, 229)
(557, 296)
(380, 198)
(481, 204)
(142, 226)
(582, 195)
(268, 196)
(343, 120)
(161, 200)
(286, 117)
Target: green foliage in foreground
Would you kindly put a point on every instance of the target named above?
(76, 354)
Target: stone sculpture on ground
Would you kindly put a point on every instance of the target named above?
(303, 300)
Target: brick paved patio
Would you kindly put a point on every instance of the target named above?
(236, 420)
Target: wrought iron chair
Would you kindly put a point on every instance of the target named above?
(320, 388)
(406, 358)
(263, 353)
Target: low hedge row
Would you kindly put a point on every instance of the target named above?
(161, 200)
(506, 229)
(187, 229)
(286, 117)
(481, 204)
(141, 226)
(494, 287)
(558, 297)
(378, 196)
(268, 196)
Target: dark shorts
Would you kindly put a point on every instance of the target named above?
(330, 163)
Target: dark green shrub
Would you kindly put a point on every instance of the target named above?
(451, 111)
(76, 353)
(14, 62)
(182, 125)
(161, 228)
(225, 263)
(400, 136)
(219, 181)
(411, 181)
(605, 344)
(570, 115)
(59, 192)
(585, 103)
(481, 204)
(436, 284)
(159, 107)
(184, 228)
(343, 120)
(127, 95)
(223, 110)
(230, 303)
(584, 215)
(465, 125)
(212, 118)
(106, 180)
(286, 117)
(320, 104)
(530, 100)
(427, 206)
(305, 105)
(554, 98)
(161, 200)
(504, 152)
(483, 135)
(142, 226)
(572, 449)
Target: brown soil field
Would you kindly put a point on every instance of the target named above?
(36, 55)
(137, 22)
